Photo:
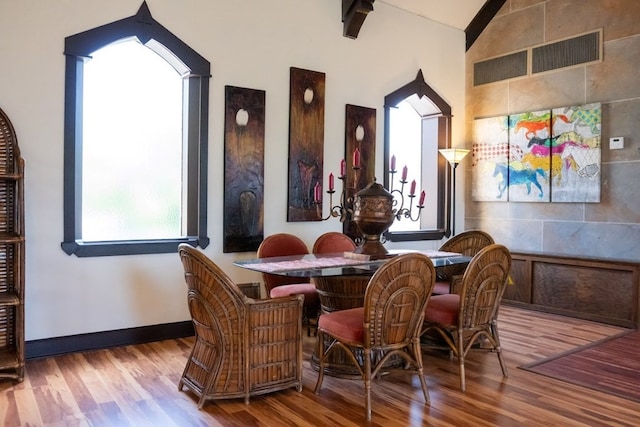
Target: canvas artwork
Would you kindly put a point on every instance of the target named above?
(306, 143)
(360, 135)
(244, 124)
(527, 175)
(490, 150)
(541, 156)
(577, 132)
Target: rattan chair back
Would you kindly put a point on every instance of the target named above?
(466, 243)
(395, 300)
(483, 286)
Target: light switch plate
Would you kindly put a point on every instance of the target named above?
(616, 143)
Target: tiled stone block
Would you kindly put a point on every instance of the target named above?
(547, 211)
(516, 235)
(621, 119)
(620, 198)
(602, 240)
(615, 78)
(548, 90)
(521, 4)
(565, 18)
(487, 100)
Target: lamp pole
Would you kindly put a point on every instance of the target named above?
(453, 156)
(453, 199)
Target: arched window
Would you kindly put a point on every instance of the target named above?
(417, 125)
(136, 126)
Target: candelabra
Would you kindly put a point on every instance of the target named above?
(373, 209)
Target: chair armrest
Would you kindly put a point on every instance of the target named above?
(290, 307)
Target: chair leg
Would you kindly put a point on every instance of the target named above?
(367, 383)
(460, 351)
(496, 337)
(417, 351)
(321, 361)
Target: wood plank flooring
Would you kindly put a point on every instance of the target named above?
(137, 386)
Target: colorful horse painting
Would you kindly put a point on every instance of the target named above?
(511, 177)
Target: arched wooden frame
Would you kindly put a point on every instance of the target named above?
(443, 197)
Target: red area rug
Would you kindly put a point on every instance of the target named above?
(611, 366)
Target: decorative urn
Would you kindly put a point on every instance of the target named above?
(373, 215)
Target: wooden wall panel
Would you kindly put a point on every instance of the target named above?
(602, 290)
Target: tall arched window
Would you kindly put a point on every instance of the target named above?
(136, 126)
(417, 125)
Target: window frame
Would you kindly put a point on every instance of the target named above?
(78, 49)
(443, 197)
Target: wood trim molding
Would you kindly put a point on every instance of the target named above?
(94, 341)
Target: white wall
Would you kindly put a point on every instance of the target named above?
(250, 43)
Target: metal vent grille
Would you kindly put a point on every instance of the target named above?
(501, 68)
(578, 50)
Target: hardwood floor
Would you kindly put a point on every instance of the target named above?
(137, 386)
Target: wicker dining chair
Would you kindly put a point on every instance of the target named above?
(243, 347)
(464, 319)
(388, 326)
(466, 243)
(285, 244)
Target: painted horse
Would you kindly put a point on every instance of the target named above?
(511, 177)
(542, 162)
(539, 123)
(548, 146)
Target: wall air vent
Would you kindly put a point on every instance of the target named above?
(501, 68)
(565, 53)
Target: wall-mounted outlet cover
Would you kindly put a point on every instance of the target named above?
(616, 143)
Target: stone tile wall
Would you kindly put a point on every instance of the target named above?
(611, 228)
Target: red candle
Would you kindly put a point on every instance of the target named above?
(404, 173)
(343, 167)
(393, 163)
(422, 196)
(317, 193)
(356, 158)
(413, 188)
(330, 182)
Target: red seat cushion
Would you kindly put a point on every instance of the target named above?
(344, 324)
(307, 289)
(443, 309)
(441, 288)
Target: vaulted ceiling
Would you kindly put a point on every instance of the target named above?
(468, 15)
(454, 13)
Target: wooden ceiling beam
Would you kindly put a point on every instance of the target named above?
(481, 20)
(354, 13)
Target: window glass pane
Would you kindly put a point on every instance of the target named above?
(132, 145)
(407, 147)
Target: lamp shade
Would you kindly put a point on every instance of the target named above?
(454, 155)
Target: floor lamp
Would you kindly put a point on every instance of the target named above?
(453, 156)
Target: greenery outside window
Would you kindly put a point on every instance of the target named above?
(110, 164)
